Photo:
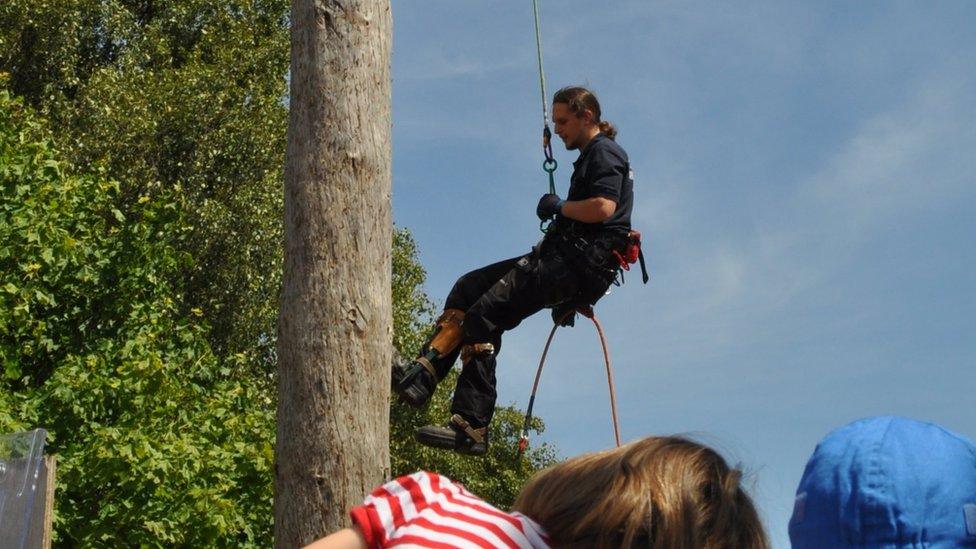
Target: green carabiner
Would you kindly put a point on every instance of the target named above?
(549, 166)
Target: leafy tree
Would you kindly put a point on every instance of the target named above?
(167, 93)
(160, 441)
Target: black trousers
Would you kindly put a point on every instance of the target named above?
(496, 298)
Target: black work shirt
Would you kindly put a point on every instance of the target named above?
(602, 170)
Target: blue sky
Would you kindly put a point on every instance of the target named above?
(805, 182)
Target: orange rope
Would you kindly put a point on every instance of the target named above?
(613, 393)
(587, 312)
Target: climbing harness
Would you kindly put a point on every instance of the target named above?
(586, 311)
(549, 165)
(604, 257)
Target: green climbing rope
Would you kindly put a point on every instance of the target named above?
(549, 165)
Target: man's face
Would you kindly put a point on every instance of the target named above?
(569, 127)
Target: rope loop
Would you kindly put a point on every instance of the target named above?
(587, 311)
(549, 165)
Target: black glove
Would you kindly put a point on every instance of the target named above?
(549, 205)
(564, 315)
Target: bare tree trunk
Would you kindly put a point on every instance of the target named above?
(335, 325)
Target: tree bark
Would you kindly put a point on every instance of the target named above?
(335, 325)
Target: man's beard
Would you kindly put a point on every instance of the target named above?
(571, 146)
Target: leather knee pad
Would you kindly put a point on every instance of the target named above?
(449, 332)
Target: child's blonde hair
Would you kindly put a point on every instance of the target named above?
(659, 492)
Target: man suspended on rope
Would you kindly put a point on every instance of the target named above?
(571, 267)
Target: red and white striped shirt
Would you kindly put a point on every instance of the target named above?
(428, 510)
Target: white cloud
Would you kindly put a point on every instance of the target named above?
(910, 159)
(917, 155)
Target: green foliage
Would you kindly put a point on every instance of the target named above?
(181, 103)
(168, 94)
(160, 442)
(412, 310)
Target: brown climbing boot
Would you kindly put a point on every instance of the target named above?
(457, 435)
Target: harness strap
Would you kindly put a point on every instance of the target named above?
(640, 255)
(428, 366)
(476, 434)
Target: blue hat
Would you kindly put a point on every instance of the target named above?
(887, 482)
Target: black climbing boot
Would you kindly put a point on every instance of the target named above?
(457, 435)
(417, 389)
(415, 383)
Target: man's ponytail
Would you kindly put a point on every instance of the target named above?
(580, 100)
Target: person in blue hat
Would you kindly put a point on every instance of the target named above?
(887, 482)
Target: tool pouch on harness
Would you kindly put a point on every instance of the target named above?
(632, 253)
